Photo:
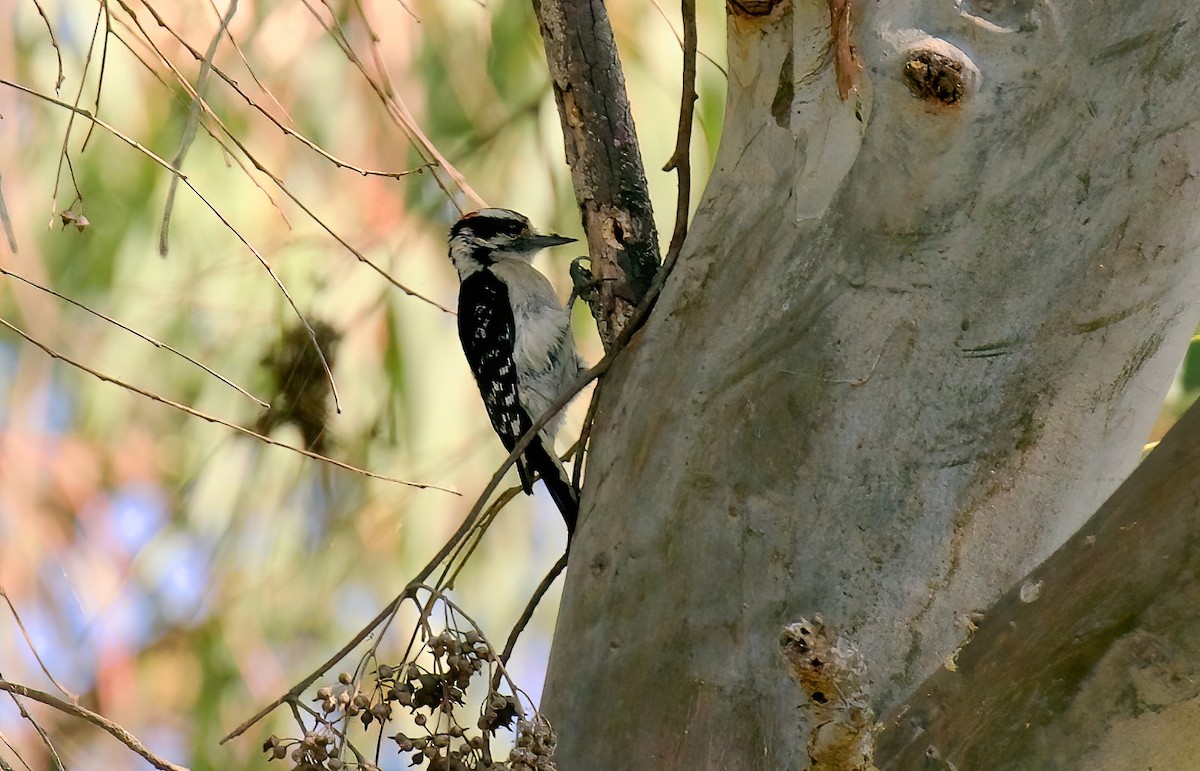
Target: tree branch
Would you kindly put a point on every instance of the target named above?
(116, 731)
(212, 418)
(1043, 639)
(602, 151)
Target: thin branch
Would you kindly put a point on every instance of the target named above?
(299, 688)
(63, 156)
(583, 448)
(245, 151)
(53, 42)
(41, 732)
(213, 419)
(400, 113)
(287, 131)
(462, 554)
(4, 766)
(531, 606)
(103, 67)
(131, 330)
(32, 648)
(658, 7)
(681, 159)
(312, 335)
(229, 151)
(6, 222)
(189, 128)
(116, 731)
(246, 63)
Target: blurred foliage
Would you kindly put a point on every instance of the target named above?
(175, 574)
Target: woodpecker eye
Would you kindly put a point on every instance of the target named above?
(490, 228)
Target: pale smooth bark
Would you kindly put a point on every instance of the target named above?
(1093, 660)
(908, 350)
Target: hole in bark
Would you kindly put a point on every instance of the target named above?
(752, 7)
(819, 697)
(934, 77)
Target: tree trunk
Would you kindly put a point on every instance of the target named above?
(914, 340)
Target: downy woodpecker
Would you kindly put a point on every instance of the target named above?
(517, 338)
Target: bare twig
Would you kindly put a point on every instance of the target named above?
(531, 606)
(245, 62)
(213, 419)
(116, 731)
(53, 42)
(41, 732)
(132, 331)
(294, 692)
(400, 113)
(286, 130)
(189, 128)
(312, 335)
(658, 7)
(5, 222)
(245, 151)
(4, 766)
(64, 157)
(681, 159)
(229, 151)
(462, 555)
(585, 435)
(103, 67)
(32, 648)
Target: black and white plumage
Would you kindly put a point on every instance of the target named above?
(517, 339)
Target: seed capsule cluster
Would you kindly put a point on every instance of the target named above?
(432, 697)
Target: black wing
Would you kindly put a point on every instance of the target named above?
(488, 335)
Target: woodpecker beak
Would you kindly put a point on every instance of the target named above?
(535, 242)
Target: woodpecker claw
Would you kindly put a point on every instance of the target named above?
(585, 286)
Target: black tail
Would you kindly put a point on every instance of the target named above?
(558, 484)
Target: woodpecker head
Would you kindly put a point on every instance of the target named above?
(482, 237)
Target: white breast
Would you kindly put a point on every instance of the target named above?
(545, 351)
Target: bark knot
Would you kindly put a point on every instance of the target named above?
(935, 77)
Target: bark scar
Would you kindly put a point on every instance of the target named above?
(831, 671)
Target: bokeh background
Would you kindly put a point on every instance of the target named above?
(174, 574)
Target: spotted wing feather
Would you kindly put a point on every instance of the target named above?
(488, 335)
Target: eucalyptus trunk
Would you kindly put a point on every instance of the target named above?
(914, 339)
